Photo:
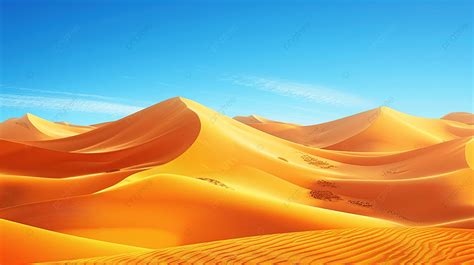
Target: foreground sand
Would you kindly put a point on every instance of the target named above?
(21, 244)
(178, 173)
(341, 246)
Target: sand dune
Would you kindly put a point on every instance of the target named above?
(274, 164)
(135, 141)
(33, 128)
(178, 173)
(341, 246)
(378, 130)
(464, 117)
(170, 118)
(194, 211)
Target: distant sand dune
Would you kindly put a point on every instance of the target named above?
(464, 117)
(342, 246)
(381, 129)
(33, 128)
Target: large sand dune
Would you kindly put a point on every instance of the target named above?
(149, 137)
(178, 173)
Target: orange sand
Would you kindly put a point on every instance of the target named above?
(464, 117)
(25, 244)
(178, 173)
(340, 246)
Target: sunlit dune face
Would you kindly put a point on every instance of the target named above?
(180, 182)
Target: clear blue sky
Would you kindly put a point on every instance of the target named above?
(296, 61)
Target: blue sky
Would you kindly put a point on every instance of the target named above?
(297, 61)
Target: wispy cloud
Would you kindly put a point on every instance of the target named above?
(314, 93)
(68, 104)
(61, 93)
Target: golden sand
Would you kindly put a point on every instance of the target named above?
(158, 184)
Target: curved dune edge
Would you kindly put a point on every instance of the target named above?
(23, 244)
(341, 246)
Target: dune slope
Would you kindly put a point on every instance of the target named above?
(16, 190)
(196, 211)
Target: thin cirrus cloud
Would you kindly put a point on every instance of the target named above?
(314, 93)
(62, 93)
(74, 103)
